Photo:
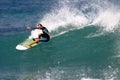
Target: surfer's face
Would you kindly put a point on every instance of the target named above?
(39, 26)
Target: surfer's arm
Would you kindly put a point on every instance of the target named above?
(30, 28)
(35, 41)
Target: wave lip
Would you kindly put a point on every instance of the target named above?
(79, 14)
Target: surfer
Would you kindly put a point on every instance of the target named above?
(39, 34)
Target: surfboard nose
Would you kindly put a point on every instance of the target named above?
(20, 47)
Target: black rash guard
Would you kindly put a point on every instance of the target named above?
(45, 35)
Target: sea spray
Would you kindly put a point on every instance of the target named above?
(70, 13)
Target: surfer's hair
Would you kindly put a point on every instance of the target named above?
(40, 24)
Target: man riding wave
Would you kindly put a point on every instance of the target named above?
(39, 34)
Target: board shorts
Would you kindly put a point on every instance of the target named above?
(44, 39)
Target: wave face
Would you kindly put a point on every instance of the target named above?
(84, 45)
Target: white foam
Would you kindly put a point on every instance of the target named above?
(109, 20)
(90, 79)
(101, 13)
(63, 17)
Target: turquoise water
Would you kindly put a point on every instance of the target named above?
(82, 46)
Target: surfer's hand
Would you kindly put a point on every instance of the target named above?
(29, 27)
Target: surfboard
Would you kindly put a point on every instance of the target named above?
(24, 45)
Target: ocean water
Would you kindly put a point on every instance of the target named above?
(84, 45)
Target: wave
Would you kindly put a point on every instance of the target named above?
(76, 55)
(80, 14)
